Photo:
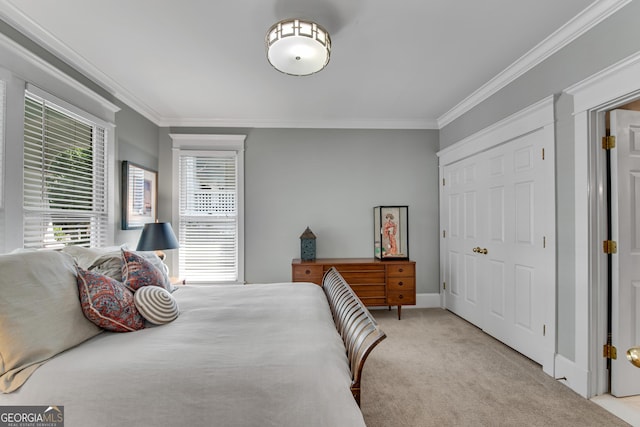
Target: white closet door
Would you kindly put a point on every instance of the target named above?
(505, 210)
(462, 276)
(520, 264)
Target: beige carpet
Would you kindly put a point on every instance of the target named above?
(435, 369)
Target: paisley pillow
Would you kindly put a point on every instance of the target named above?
(138, 272)
(107, 303)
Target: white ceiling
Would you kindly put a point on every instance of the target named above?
(413, 64)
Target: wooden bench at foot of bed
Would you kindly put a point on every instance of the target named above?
(358, 329)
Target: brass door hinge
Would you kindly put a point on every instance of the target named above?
(544, 330)
(443, 182)
(608, 142)
(543, 154)
(609, 352)
(444, 234)
(609, 247)
(444, 285)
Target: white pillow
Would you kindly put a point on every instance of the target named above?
(86, 256)
(40, 313)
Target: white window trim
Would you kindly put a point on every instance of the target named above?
(19, 67)
(211, 142)
(110, 152)
(111, 149)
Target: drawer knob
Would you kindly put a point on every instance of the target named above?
(400, 270)
(400, 283)
(307, 272)
(400, 296)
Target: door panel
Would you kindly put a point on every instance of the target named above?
(471, 280)
(496, 214)
(452, 274)
(625, 219)
(524, 291)
(524, 212)
(469, 215)
(497, 301)
(454, 216)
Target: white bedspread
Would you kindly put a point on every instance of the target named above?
(252, 355)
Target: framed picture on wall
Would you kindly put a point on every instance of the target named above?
(139, 196)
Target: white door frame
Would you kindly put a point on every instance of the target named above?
(592, 97)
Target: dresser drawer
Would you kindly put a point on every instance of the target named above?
(371, 294)
(406, 284)
(373, 301)
(363, 277)
(408, 269)
(370, 291)
(307, 273)
(407, 297)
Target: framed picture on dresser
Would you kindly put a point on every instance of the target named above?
(391, 232)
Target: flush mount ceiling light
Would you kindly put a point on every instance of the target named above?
(298, 47)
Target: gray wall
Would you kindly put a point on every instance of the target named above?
(136, 141)
(612, 40)
(330, 180)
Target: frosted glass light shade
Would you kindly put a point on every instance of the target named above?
(298, 47)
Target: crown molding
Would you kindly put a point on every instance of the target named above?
(14, 17)
(580, 24)
(13, 48)
(301, 124)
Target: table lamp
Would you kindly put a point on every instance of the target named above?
(157, 236)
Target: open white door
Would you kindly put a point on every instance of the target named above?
(625, 218)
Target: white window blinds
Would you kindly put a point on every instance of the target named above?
(208, 216)
(65, 177)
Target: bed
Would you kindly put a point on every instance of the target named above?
(282, 354)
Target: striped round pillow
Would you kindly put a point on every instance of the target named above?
(156, 304)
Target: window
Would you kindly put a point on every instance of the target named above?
(209, 213)
(65, 176)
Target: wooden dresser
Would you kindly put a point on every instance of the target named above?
(376, 282)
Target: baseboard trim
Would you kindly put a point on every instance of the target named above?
(427, 301)
(571, 375)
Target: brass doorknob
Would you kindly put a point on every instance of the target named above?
(476, 249)
(483, 251)
(633, 355)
